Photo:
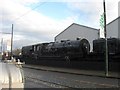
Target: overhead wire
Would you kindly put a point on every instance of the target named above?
(25, 14)
(29, 11)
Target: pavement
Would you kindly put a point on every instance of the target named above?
(74, 71)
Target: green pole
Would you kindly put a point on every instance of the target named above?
(106, 46)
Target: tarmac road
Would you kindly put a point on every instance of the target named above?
(47, 79)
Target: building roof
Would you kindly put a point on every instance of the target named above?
(77, 25)
(113, 20)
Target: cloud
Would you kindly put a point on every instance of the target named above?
(26, 2)
(91, 11)
(119, 8)
(30, 24)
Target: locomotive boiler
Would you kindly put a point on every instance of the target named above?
(69, 49)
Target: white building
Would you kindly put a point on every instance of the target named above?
(78, 31)
(113, 28)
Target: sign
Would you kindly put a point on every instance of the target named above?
(102, 21)
(102, 26)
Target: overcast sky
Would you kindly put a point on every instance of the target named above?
(38, 21)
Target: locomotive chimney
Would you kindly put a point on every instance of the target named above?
(78, 38)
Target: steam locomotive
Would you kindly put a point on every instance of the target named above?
(67, 49)
(72, 49)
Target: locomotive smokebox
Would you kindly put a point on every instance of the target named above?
(79, 47)
(85, 46)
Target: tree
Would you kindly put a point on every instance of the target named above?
(16, 52)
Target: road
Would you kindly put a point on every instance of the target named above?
(47, 79)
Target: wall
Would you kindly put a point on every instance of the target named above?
(112, 29)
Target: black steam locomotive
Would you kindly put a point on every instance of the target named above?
(66, 49)
(72, 49)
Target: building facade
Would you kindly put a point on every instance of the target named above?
(113, 29)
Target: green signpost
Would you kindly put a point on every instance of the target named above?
(103, 27)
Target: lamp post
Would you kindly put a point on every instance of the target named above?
(1, 45)
(1, 49)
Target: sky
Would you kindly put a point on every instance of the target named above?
(39, 21)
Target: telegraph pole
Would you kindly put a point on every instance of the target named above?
(12, 42)
(106, 47)
(1, 45)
